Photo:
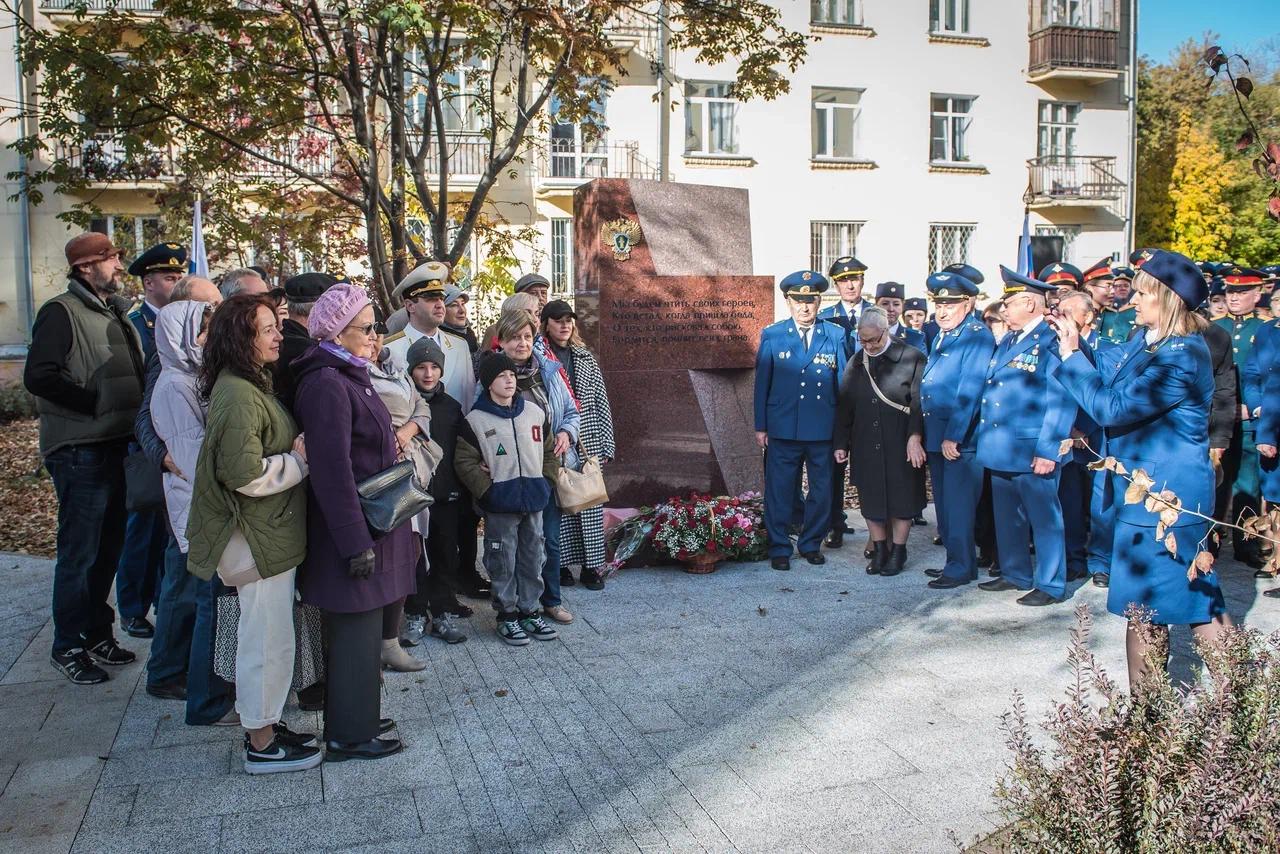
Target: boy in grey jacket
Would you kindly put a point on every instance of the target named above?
(504, 459)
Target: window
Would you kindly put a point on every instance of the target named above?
(1068, 233)
(460, 95)
(831, 240)
(710, 119)
(133, 235)
(578, 149)
(949, 129)
(1057, 129)
(835, 123)
(561, 255)
(1078, 13)
(949, 16)
(949, 244)
(846, 12)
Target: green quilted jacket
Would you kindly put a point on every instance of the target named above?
(244, 426)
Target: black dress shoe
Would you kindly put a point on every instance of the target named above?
(994, 571)
(1260, 573)
(985, 561)
(998, 585)
(1077, 574)
(945, 582)
(476, 588)
(374, 748)
(174, 690)
(794, 530)
(834, 540)
(780, 563)
(137, 627)
(869, 550)
(937, 540)
(1101, 579)
(385, 725)
(933, 573)
(919, 520)
(311, 698)
(815, 558)
(592, 580)
(1273, 593)
(1037, 598)
(566, 577)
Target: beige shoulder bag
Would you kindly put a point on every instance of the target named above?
(866, 366)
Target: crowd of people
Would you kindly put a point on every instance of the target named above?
(1164, 366)
(208, 448)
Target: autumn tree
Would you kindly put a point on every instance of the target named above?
(366, 105)
(1201, 222)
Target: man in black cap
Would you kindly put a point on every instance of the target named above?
(536, 284)
(160, 268)
(300, 293)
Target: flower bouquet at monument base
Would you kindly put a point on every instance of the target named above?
(697, 530)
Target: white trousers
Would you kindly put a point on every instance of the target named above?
(264, 649)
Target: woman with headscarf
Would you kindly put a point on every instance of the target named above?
(349, 573)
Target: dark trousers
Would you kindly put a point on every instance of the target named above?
(141, 563)
(984, 526)
(1075, 490)
(89, 483)
(443, 557)
(468, 537)
(956, 487)
(209, 696)
(1102, 521)
(839, 471)
(1238, 496)
(1026, 504)
(353, 685)
(175, 619)
(551, 542)
(782, 464)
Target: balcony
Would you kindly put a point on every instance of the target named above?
(1074, 53)
(1070, 181)
(104, 162)
(70, 7)
(561, 165)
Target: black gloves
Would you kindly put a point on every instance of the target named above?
(361, 565)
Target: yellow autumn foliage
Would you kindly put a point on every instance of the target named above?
(1202, 219)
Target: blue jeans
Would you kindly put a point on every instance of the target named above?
(551, 566)
(175, 619)
(208, 695)
(141, 563)
(89, 483)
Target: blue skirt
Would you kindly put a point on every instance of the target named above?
(1143, 572)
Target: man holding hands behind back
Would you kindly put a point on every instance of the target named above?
(798, 369)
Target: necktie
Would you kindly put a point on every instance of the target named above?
(804, 336)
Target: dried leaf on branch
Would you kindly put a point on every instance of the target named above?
(1140, 484)
(1202, 565)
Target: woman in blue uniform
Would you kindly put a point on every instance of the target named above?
(1152, 395)
(1261, 379)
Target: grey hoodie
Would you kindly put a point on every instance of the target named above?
(177, 412)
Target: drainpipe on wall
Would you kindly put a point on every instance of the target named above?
(1131, 84)
(25, 285)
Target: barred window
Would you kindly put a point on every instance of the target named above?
(562, 256)
(831, 240)
(949, 244)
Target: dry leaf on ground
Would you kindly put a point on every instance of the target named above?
(27, 500)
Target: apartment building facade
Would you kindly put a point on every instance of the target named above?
(916, 134)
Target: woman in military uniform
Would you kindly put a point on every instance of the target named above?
(1152, 396)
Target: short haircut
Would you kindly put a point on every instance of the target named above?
(523, 300)
(512, 323)
(992, 311)
(232, 282)
(873, 318)
(301, 309)
(182, 290)
(1076, 296)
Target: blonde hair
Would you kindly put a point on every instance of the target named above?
(575, 340)
(1172, 315)
(523, 301)
(512, 323)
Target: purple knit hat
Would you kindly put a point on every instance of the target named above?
(335, 309)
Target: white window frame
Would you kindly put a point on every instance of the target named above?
(1068, 233)
(1045, 128)
(836, 13)
(471, 73)
(706, 102)
(960, 234)
(949, 17)
(957, 154)
(562, 255)
(832, 239)
(1078, 13)
(831, 108)
(140, 241)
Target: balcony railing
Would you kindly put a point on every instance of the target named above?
(1076, 48)
(105, 161)
(98, 5)
(562, 160)
(1073, 180)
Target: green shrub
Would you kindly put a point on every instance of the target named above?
(16, 403)
(1157, 769)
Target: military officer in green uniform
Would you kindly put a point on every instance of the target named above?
(1118, 322)
(1241, 486)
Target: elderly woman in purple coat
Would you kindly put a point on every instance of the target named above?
(348, 573)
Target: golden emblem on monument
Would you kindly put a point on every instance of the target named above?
(621, 235)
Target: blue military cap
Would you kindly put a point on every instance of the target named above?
(1217, 287)
(846, 267)
(1016, 283)
(950, 287)
(1178, 274)
(1122, 273)
(161, 258)
(889, 289)
(1272, 272)
(1239, 278)
(1138, 257)
(916, 304)
(969, 272)
(803, 285)
(1060, 274)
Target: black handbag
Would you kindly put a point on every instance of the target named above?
(392, 497)
(143, 483)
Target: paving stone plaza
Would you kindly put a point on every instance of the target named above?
(748, 710)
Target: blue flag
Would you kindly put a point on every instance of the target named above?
(199, 263)
(1024, 247)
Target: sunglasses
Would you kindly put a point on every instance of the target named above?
(370, 329)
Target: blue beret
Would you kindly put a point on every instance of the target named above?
(161, 258)
(1016, 283)
(846, 266)
(969, 272)
(803, 283)
(915, 304)
(948, 287)
(1178, 274)
(889, 289)
(1061, 273)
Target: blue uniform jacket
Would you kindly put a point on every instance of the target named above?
(838, 315)
(144, 320)
(930, 331)
(1023, 414)
(907, 335)
(1261, 377)
(796, 392)
(1100, 353)
(953, 381)
(1154, 405)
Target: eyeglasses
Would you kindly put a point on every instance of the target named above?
(371, 329)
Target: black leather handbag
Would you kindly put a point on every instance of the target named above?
(144, 484)
(392, 496)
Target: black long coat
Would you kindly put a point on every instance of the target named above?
(875, 434)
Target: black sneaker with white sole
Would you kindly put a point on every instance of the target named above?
(538, 628)
(296, 739)
(279, 757)
(76, 665)
(110, 652)
(511, 632)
